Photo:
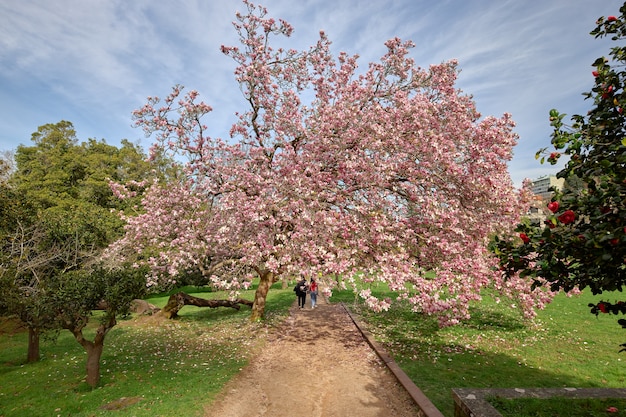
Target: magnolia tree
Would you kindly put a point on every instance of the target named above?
(582, 244)
(387, 174)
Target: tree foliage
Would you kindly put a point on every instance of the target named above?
(583, 242)
(384, 174)
(74, 295)
(58, 214)
(24, 260)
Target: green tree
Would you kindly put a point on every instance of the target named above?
(70, 219)
(76, 294)
(24, 260)
(49, 171)
(583, 243)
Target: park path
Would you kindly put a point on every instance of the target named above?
(316, 364)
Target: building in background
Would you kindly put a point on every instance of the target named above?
(542, 186)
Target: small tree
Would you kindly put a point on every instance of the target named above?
(385, 174)
(73, 296)
(583, 243)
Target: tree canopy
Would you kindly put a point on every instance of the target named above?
(386, 174)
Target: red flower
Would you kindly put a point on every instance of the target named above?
(524, 237)
(614, 241)
(550, 224)
(553, 206)
(612, 410)
(595, 73)
(568, 217)
(611, 19)
(554, 156)
(603, 308)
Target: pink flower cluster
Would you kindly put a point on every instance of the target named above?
(387, 175)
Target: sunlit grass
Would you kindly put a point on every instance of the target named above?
(565, 346)
(156, 368)
(182, 364)
(579, 407)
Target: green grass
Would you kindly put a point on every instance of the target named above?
(182, 364)
(535, 407)
(565, 347)
(173, 368)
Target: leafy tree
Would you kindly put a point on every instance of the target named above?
(58, 205)
(49, 171)
(23, 263)
(58, 169)
(583, 242)
(382, 175)
(74, 296)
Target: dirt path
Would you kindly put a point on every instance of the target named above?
(317, 364)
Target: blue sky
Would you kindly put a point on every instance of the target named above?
(92, 62)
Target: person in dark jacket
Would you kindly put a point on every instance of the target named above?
(300, 289)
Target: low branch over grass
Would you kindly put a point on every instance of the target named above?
(181, 299)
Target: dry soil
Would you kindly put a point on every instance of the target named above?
(316, 364)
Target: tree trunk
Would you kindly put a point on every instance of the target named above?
(181, 299)
(33, 345)
(94, 349)
(94, 352)
(260, 297)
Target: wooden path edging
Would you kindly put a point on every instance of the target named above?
(427, 408)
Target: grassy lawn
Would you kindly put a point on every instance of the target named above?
(178, 366)
(565, 347)
(533, 407)
(169, 369)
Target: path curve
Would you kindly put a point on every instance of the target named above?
(315, 364)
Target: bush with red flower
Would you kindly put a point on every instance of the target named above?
(582, 243)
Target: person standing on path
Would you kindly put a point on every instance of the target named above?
(313, 289)
(301, 289)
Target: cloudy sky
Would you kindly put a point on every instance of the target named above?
(92, 62)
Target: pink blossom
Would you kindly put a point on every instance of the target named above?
(332, 170)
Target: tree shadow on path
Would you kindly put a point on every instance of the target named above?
(316, 363)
